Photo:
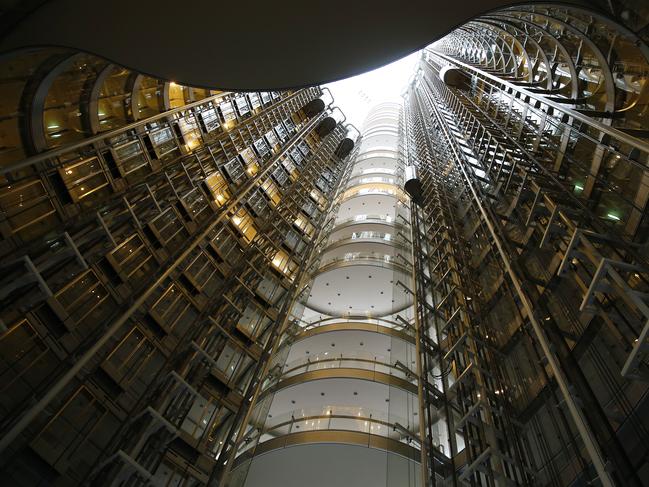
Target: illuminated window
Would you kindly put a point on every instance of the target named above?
(244, 223)
(272, 192)
(218, 188)
(283, 263)
(249, 161)
(303, 224)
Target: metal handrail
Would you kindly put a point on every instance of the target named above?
(616, 134)
(360, 258)
(340, 363)
(58, 151)
(309, 325)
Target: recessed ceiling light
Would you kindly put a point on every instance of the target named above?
(322, 393)
(355, 393)
(292, 401)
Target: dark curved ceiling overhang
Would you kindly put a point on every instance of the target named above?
(244, 44)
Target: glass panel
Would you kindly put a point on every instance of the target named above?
(83, 178)
(113, 99)
(63, 120)
(26, 363)
(148, 98)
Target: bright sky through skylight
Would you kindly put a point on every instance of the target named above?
(355, 96)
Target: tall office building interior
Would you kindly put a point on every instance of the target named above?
(228, 284)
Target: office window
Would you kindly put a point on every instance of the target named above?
(226, 110)
(162, 139)
(253, 99)
(113, 97)
(283, 263)
(261, 147)
(249, 161)
(188, 125)
(225, 246)
(271, 139)
(179, 95)
(62, 115)
(217, 187)
(202, 273)
(209, 117)
(244, 223)
(234, 170)
(128, 153)
(265, 97)
(134, 360)
(168, 230)
(272, 192)
(28, 209)
(73, 439)
(131, 260)
(148, 98)
(302, 223)
(194, 203)
(86, 302)
(83, 178)
(258, 204)
(172, 311)
(26, 363)
(241, 104)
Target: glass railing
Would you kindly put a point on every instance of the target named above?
(361, 179)
(337, 418)
(373, 170)
(366, 218)
(385, 364)
(396, 325)
(366, 258)
(349, 418)
(380, 236)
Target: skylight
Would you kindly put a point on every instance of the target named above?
(355, 96)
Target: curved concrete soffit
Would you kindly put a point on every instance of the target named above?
(248, 45)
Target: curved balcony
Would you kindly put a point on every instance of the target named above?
(372, 153)
(274, 463)
(367, 189)
(376, 259)
(366, 241)
(364, 218)
(369, 235)
(359, 360)
(339, 418)
(377, 325)
(350, 227)
(369, 177)
(372, 170)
